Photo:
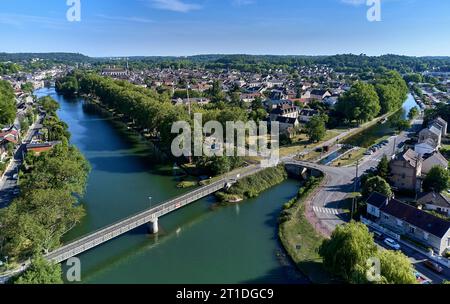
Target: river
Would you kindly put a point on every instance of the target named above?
(197, 244)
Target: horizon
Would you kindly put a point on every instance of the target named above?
(219, 54)
(181, 28)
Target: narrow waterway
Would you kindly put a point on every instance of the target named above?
(373, 134)
(197, 244)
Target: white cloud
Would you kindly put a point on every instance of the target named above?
(126, 19)
(243, 2)
(354, 2)
(175, 5)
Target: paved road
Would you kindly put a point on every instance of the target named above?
(8, 184)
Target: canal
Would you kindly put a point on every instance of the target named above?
(197, 244)
(374, 134)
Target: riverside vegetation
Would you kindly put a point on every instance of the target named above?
(252, 186)
(51, 185)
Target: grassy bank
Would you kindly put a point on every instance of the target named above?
(299, 237)
(253, 185)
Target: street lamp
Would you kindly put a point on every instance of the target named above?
(150, 198)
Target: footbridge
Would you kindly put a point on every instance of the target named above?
(149, 216)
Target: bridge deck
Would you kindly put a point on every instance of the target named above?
(112, 231)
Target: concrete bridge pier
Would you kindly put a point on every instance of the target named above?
(154, 226)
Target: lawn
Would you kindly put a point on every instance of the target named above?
(302, 243)
(303, 144)
(350, 158)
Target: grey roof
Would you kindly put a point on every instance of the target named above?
(433, 198)
(417, 218)
(377, 200)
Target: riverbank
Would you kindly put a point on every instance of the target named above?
(299, 238)
(253, 185)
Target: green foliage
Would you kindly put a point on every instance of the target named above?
(413, 113)
(253, 185)
(316, 128)
(396, 268)
(437, 180)
(347, 252)
(376, 184)
(47, 207)
(27, 87)
(360, 103)
(7, 103)
(48, 104)
(383, 169)
(68, 86)
(41, 272)
(392, 91)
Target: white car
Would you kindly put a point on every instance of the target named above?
(392, 244)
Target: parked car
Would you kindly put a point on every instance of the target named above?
(377, 235)
(421, 279)
(433, 266)
(370, 152)
(392, 244)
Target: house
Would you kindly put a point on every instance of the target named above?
(41, 147)
(426, 147)
(287, 124)
(306, 115)
(440, 124)
(406, 220)
(319, 94)
(431, 133)
(434, 160)
(331, 100)
(284, 110)
(406, 170)
(436, 202)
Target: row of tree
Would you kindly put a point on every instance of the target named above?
(7, 103)
(48, 206)
(365, 101)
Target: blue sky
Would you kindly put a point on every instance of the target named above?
(188, 27)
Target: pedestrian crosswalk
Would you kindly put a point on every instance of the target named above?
(326, 210)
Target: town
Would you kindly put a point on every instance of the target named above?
(396, 145)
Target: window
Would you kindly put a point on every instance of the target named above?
(412, 230)
(426, 235)
(386, 217)
(399, 223)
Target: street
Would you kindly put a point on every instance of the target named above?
(8, 184)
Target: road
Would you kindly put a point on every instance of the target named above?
(324, 208)
(8, 184)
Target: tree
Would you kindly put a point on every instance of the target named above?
(7, 103)
(316, 128)
(360, 103)
(376, 184)
(41, 272)
(48, 104)
(347, 251)
(413, 113)
(437, 180)
(383, 169)
(396, 268)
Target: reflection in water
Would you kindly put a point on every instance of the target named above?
(197, 244)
